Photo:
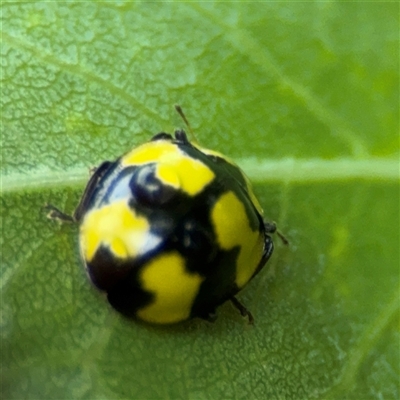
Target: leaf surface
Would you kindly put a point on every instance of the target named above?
(304, 96)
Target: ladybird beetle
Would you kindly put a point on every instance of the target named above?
(170, 230)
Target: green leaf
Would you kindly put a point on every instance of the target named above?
(304, 96)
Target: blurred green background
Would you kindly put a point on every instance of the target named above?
(304, 96)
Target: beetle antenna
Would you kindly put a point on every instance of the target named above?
(179, 110)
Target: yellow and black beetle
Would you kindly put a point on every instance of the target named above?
(170, 230)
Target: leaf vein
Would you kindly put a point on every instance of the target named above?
(286, 171)
(361, 350)
(245, 43)
(78, 70)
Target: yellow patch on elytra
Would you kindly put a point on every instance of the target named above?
(150, 152)
(168, 174)
(189, 174)
(173, 287)
(249, 186)
(115, 226)
(174, 168)
(232, 228)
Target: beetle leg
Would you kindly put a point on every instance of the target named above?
(55, 213)
(211, 317)
(270, 227)
(242, 309)
(283, 238)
